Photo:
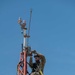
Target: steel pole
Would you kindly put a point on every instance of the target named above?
(25, 64)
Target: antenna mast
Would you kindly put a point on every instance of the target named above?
(22, 65)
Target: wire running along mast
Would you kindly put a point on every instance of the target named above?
(22, 65)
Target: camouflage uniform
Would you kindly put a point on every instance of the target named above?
(39, 67)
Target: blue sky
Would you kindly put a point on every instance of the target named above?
(52, 34)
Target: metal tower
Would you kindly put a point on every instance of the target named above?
(22, 65)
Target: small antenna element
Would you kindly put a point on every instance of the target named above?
(19, 21)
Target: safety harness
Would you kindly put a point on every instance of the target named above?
(36, 68)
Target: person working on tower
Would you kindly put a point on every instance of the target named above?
(38, 66)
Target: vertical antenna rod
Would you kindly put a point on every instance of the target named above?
(29, 21)
(29, 25)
